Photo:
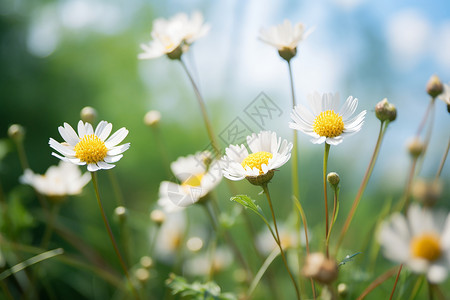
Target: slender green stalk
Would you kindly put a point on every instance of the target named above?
(334, 214)
(111, 236)
(444, 157)
(404, 203)
(201, 102)
(262, 270)
(362, 187)
(425, 117)
(116, 187)
(49, 225)
(430, 291)
(395, 283)
(325, 162)
(417, 287)
(278, 240)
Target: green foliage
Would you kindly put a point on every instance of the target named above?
(196, 290)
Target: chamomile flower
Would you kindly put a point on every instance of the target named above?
(327, 122)
(198, 174)
(285, 37)
(174, 36)
(421, 241)
(268, 154)
(58, 181)
(90, 148)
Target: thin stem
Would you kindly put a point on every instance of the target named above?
(362, 187)
(201, 102)
(162, 149)
(116, 187)
(444, 157)
(50, 224)
(378, 281)
(111, 236)
(425, 117)
(325, 162)
(430, 291)
(278, 240)
(404, 203)
(396, 281)
(262, 270)
(335, 211)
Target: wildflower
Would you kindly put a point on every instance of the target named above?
(202, 265)
(427, 192)
(333, 178)
(174, 36)
(320, 268)
(415, 147)
(385, 111)
(421, 241)
(324, 124)
(268, 153)
(170, 236)
(90, 148)
(434, 86)
(445, 96)
(58, 181)
(197, 180)
(285, 38)
(289, 239)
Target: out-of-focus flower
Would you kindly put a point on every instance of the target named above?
(324, 124)
(420, 241)
(288, 236)
(16, 132)
(268, 153)
(415, 147)
(320, 268)
(152, 118)
(170, 236)
(58, 181)
(427, 192)
(197, 180)
(88, 114)
(203, 264)
(174, 36)
(434, 86)
(285, 37)
(91, 148)
(445, 96)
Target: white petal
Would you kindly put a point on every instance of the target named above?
(113, 159)
(104, 165)
(81, 129)
(116, 138)
(93, 167)
(68, 134)
(437, 273)
(65, 150)
(118, 149)
(103, 130)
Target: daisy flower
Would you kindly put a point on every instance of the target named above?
(174, 36)
(90, 148)
(199, 174)
(58, 181)
(327, 123)
(284, 37)
(268, 153)
(421, 241)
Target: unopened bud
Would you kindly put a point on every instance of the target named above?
(416, 147)
(152, 118)
(342, 290)
(16, 132)
(287, 53)
(158, 216)
(88, 114)
(194, 244)
(121, 213)
(320, 268)
(434, 86)
(427, 192)
(142, 275)
(146, 262)
(333, 178)
(385, 111)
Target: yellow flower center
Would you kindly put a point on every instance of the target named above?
(426, 246)
(193, 180)
(329, 124)
(91, 149)
(255, 160)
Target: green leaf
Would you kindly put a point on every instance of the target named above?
(247, 202)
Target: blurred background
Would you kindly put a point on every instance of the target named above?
(57, 57)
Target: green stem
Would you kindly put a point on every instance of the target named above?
(201, 102)
(50, 224)
(278, 240)
(111, 236)
(404, 203)
(325, 162)
(335, 211)
(444, 157)
(362, 187)
(262, 270)
(116, 187)
(430, 291)
(425, 116)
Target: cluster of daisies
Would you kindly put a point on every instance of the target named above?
(421, 240)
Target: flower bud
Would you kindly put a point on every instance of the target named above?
(152, 118)
(287, 53)
(333, 178)
(142, 275)
(434, 86)
(194, 244)
(16, 132)
(121, 213)
(158, 216)
(88, 114)
(416, 147)
(427, 192)
(342, 290)
(320, 268)
(146, 262)
(385, 111)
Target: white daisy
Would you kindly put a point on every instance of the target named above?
(90, 148)
(288, 236)
(174, 36)
(58, 181)
(445, 96)
(203, 264)
(268, 153)
(170, 236)
(284, 37)
(327, 122)
(198, 174)
(421, 241)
